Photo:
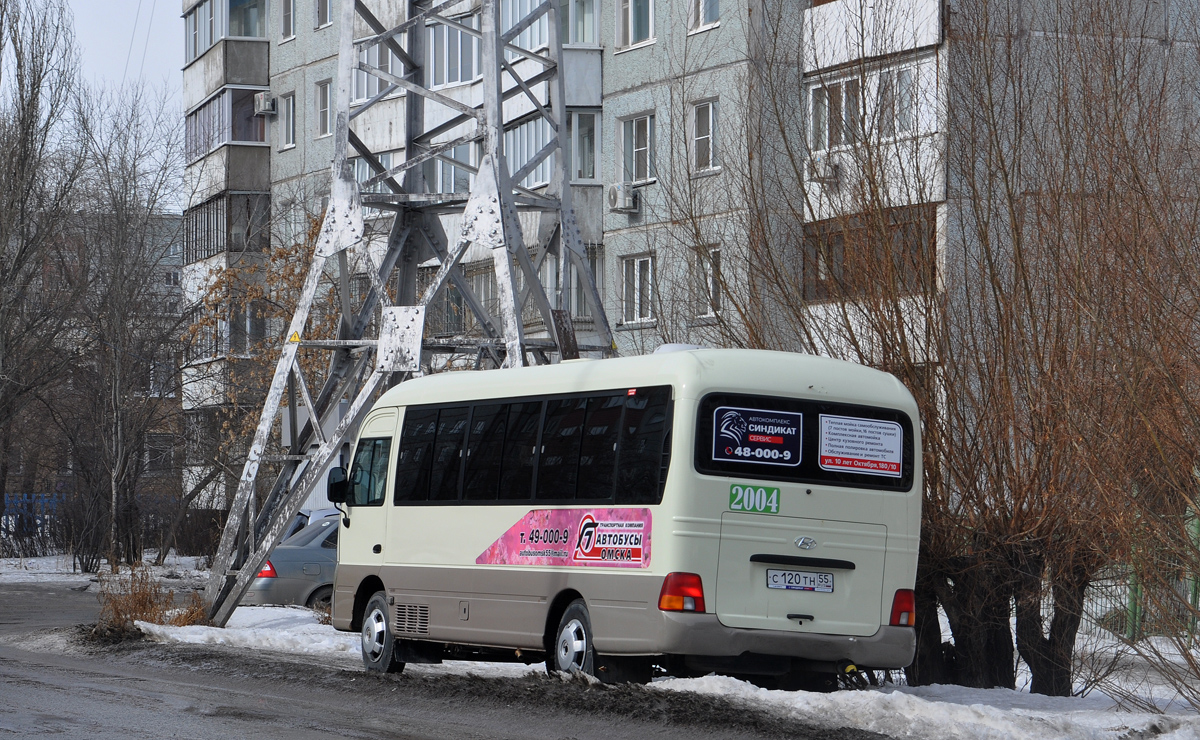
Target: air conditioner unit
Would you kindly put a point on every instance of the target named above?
(823, 170)
(264, 104)
(623, 198)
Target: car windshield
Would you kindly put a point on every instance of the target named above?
(314, 531)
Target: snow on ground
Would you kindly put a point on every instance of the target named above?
(62, 569)
(935, 712)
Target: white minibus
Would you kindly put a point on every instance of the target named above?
(748, 512)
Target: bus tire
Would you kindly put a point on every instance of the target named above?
(573, 649)
(378, 638)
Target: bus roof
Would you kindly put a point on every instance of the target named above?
(692, 373)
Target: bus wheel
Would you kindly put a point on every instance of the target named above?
(573, 649)
(378, 642)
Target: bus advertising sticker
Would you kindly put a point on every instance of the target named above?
(575, 537)
(868, 446)
(756, 436)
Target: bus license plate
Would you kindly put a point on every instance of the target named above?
(800, 580)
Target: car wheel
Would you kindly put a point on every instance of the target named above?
(321, 599)
(378, 640)
(573, 650)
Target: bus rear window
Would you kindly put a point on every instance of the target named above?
(790, 439)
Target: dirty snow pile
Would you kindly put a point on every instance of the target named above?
(175, 572)
(935, 712)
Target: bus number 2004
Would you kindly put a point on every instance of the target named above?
(757, 499)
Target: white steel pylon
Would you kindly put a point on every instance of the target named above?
(528, 84)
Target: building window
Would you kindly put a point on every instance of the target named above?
(324, 121)
(212, 20)
(577, 21)
(703, 13)
(635, 20)
(638, 304)
(226, 117)
(289, 29)
(287, 119)
(172, 278)
(323, 13)
(580, 307)
(704, 136)
(522, 143)
(451, 53)
(835, 115)
(854, 256)
(534, 37)
(444, 177)
(637, 148)
(159, 457)
(584, 137)
(363, 172)
(366, 85)
(840, 112)
(247, 327)
(246, 18)
(706, 290)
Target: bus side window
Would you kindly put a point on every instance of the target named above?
(562, 429)
(416, 448)
(447, 453)
(641, 467)
(520, 453)
(598, 453)
(485, 451)
(368, 473)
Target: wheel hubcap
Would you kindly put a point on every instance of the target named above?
(374, 634)
(572, 646)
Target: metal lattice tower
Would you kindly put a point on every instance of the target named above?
(527, 83)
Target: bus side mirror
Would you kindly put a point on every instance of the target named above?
(337, 488)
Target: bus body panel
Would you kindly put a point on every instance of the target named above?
(429, 561)
(750, 542)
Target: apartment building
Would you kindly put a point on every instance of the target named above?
(665, 138)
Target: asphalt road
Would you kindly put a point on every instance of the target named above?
(54, 682)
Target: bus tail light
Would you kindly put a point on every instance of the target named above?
(268, 571)
(904, 609)
(681, 592)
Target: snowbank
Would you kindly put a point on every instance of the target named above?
(935, 712)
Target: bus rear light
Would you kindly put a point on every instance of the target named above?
(681, 592)
(904, 609)
(268, 571)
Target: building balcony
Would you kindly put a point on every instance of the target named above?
(241, 61)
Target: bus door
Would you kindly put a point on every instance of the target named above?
(363, 543)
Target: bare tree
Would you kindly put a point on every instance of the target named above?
(40, 165)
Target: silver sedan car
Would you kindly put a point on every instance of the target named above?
(300, 569)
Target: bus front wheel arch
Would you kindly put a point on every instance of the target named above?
(368, 588)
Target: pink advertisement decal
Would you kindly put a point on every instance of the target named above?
(617, 538)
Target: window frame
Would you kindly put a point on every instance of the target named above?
(714, 162)
(569, 19)
(706, 283)
(628, 150)
(638, 290)
(435, 66)
(319, 8)
(573, 130)
(287, 120)
(625, 25)
(696, 22)
(287, 20)
(324, 109)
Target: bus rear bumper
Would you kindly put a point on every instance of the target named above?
(704, 635)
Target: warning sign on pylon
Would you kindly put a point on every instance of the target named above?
(294, 338)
